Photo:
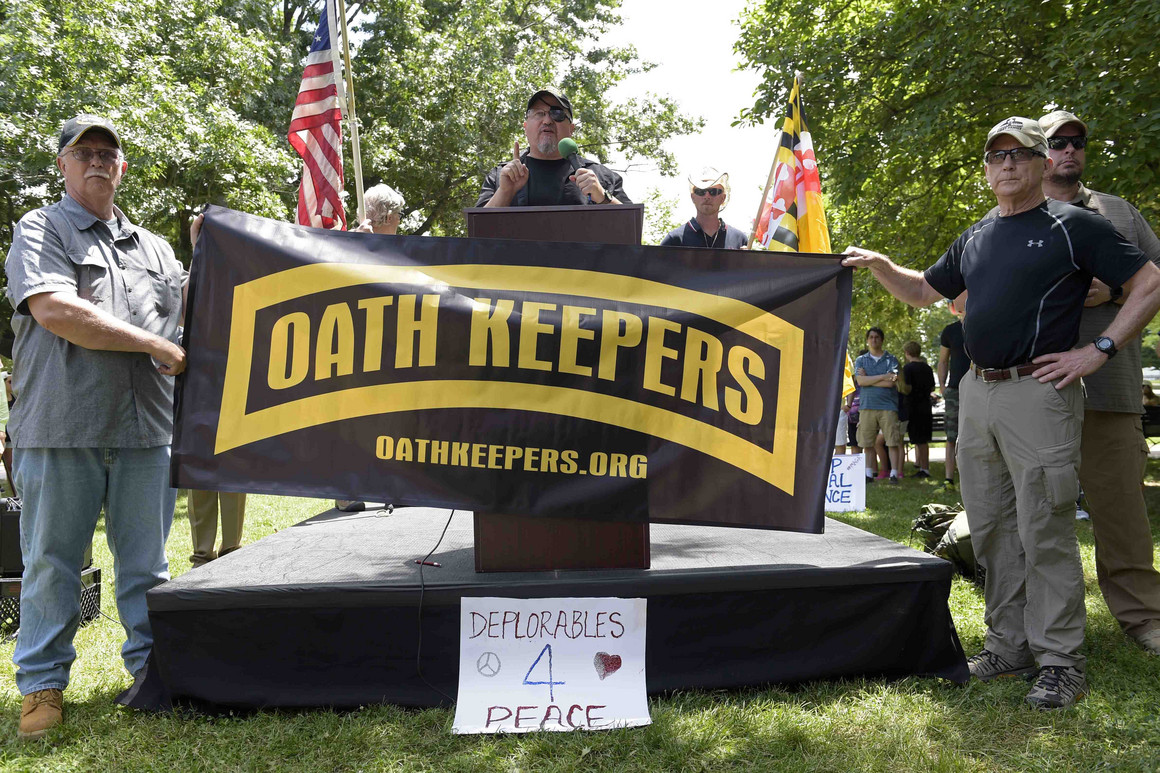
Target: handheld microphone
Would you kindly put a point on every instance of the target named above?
(569, 150)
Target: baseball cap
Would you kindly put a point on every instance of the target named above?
(1053, 122)
(563, 100)
(75, 128)
(1026, 132)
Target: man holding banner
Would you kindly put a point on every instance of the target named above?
(550, 172)
(1027, 271)
(97, 304)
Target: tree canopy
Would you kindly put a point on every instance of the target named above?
(900, 95)
(202, 92)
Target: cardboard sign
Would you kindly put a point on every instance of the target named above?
(846, 487)
(551, 664)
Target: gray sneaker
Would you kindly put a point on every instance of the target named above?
(987, 666)
(1057, 687)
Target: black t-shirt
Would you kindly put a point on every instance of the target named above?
(920, 378)
(952, 339)
(548, 183)
(1028, 275)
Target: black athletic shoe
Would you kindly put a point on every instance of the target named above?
(987, 666)
(1057, 687)
(922, 474)
(894, 480)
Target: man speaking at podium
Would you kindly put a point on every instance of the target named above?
(542, 175)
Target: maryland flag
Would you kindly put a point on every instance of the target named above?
(792, 218)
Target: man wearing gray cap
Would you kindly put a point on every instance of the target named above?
(709, 190)
(1021, 405)
(540, 175)
(98, 302)
(1114, 452)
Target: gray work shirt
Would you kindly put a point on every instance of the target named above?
(68, 396)
(1115, 386)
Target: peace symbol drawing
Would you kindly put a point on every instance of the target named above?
(487, 664)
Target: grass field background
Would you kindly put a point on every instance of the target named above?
(852, 725)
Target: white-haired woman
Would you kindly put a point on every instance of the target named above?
(384, 207)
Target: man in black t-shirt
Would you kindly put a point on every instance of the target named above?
(1028, 271)
(540, 176)
(952, 366)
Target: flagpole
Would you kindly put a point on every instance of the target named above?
(764, 193)
(352, 119)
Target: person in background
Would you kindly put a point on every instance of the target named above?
(920, 378)
(204, 509)
(876, 372)
(953, 363)
(709, 190)
(1113, 453)
(384, 208)
(1150, 397)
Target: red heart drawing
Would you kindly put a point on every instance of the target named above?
(606, 664)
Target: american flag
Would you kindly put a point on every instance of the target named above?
(316, 131)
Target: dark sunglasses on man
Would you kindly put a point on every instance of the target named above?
(557, 114)
(1060, 141)
(710, 191)
(1018, 155)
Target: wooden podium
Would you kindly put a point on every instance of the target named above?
(520, 543)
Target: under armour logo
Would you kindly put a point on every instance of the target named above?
(1034, 243)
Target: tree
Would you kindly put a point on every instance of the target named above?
(443, 87)
(900, 95)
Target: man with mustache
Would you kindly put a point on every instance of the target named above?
(1114, 452)
(1021, 413)
(98, 304)
(540, 176)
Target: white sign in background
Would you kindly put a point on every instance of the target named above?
(846, 489)
(551, 664)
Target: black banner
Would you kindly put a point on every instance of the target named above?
(544, 378)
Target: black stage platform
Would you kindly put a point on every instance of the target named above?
(327, 613)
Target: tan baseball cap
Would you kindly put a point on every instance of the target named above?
(1053, 122)
(1026, 132)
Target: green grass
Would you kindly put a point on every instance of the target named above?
(909, 725)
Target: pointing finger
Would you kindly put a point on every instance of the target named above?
(516, 152)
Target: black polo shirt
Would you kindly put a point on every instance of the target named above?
(1028, 275)
(691, 234)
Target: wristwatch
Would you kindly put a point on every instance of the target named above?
(1117, 293)
(1106, 345)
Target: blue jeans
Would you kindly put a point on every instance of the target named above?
(63, 491)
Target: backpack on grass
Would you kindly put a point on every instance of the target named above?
(944, 533)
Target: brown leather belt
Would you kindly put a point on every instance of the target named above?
(1002, 374)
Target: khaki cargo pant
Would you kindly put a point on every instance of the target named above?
(1018, 454)
(203, 523)
(1114, 457)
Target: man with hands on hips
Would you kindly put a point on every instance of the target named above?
(1028, 271)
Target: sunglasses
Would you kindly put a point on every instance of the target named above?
(710, 191)
(1018, 155)
(85, 155)
(557, 114)
(1060, 141)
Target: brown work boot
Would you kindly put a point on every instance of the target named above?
(40, 711)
